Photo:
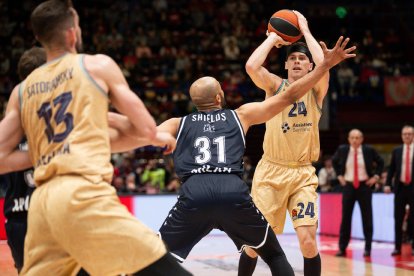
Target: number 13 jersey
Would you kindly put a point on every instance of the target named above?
(293, 134)
(209, 142)
(64, 115)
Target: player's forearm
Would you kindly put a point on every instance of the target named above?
(259, 56)
(122, 142)
(126, 143)
(300, 87)
(15, 161)
(314, 47)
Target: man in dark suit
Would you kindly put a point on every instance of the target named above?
(400, 173)
(358, 167)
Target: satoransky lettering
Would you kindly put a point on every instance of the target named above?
(48, 86)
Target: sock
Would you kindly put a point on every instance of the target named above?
(312, 266)
(246, 265)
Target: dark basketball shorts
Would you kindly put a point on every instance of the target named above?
(213, 201)
(16, 232)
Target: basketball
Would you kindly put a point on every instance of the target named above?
(285, 24)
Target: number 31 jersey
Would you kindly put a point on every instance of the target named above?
(64, 115)
(209, 142)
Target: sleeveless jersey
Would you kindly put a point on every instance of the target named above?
(20, 186)
(209, 142)
(293, 134)
(64, 115)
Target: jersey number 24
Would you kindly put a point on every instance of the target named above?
(298, 109)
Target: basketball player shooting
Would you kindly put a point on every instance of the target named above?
(285, 178)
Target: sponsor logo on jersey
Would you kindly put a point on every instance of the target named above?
(301, 127)
(29, 179)
(285, 127)
(211, 169)
(296, 127)
(209, 128)
(21, 204)
(294, 214)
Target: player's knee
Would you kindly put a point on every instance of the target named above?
(250, 252)
(308, 247)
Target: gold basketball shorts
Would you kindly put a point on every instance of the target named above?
(278, 188)
(74, 223)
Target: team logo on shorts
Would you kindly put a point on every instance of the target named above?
(285, 127)
(294, 214)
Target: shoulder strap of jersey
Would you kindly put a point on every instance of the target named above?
(236, 118)
(21, 88)
(180, 126)
(284, 81)
(81, 58)
(316, 100)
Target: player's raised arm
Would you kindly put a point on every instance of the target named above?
(315, 49)
(260, 112)
(263, 79)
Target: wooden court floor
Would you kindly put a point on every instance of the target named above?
(216, 255)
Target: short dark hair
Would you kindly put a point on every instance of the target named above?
(30, 60)
(301, 48)
(50, 18)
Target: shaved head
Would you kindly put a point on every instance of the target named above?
(204, 93)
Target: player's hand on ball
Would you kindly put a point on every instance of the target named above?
(303, 23)
(338, 53)
(279, 41)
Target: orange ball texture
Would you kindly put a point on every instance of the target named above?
(285, 24)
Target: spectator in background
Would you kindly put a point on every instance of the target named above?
(154, 176)
(358, 168)
(327, 176)
(142, 50)
(119, 184)
(248, 171)
(130, 184)
(346, 80)
(400, 173)
(173, 185)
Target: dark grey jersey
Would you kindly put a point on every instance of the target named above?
(209, 142)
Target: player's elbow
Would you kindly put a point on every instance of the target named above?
(4, 166)
(251, 68)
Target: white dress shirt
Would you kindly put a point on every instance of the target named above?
(349, 169)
